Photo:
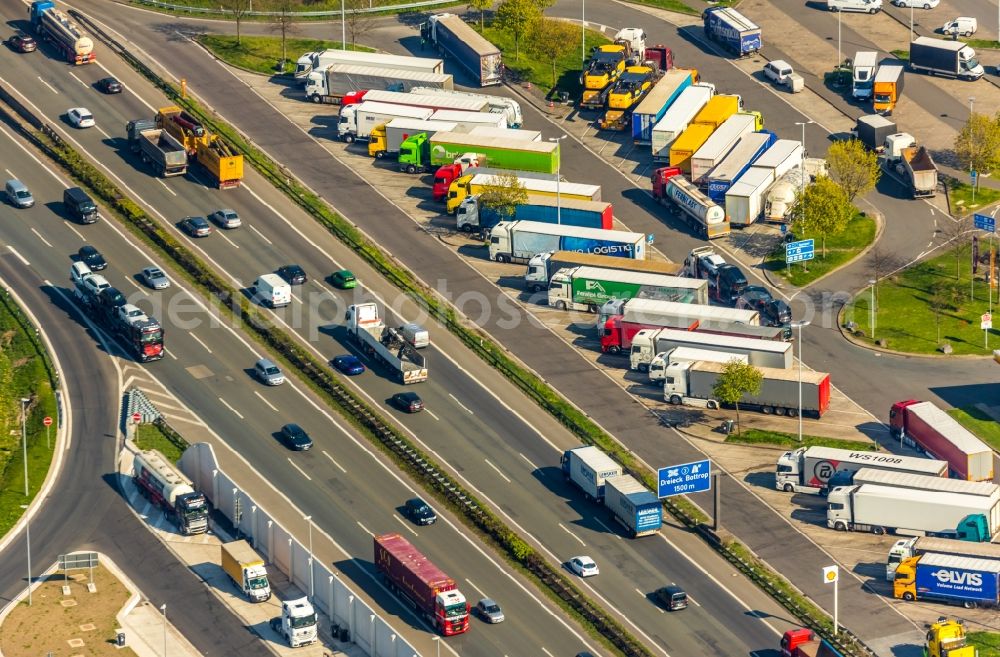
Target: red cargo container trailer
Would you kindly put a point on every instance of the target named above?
(931, 430)
(617, 334)
(414, 578)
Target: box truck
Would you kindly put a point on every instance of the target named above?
(357, 121)
(744, 154)
(693, 383)
(905, 548)
(872, 129)
(536, 184)
(782, 157)
(542, 267)
(588, 468)
(247, 570)
(940, 57)
(509, 107)
(633, 505)
(734, 31)
(677, 118)
(888, 88)
(345, 84)
(719, 145)
(652, 108)
(639, 314)
(587, 288)
(689, 203)
(570, 212)
(929, 429)
(745, 199)
(810, 469)
(518, 241)
(863, 69)
(458, 41)
(945, 578)
(649, 343)
(459, 103)
(501, 153)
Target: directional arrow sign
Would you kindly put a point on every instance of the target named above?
(985, 222)
(799, 251)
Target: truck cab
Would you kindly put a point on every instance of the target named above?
(297, 623)
(415, 154)
(946, 638)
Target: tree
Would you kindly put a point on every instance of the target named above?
(737, 379)
(552, 39)
(481, 6)
(956, 233)
(824, 210)
(504, 195)
(944, 296)
(881, 263)
(283, 22)
(358, 22)
(853, 167)
(239, 9)
(517, 17)
(977, 145)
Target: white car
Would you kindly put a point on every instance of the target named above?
(80, 117)
(584, 566)
(919, 4)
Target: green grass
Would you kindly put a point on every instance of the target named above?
(262, 53)
(676, 6)
(904, 317)
(960, 197)
(988, 643)
(978, 423)
(165, 441)
(303, 6)
(783, 439)
(537, 71)
(901, 54)
(840, 249)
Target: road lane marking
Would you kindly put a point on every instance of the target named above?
(405, 524)
(170, 353)
(39, 236)
(78, 233)
(165, 186)
(497, 470)
(431, 413)
(579, 540)
(609, 530)
(101, 130)
(223, 236)
(226, 404)
(655, 606)
(82, 83)
(327, 455)
(301, 471)
(461, 404)
(198, 340)
(478, 590)
(261, 234)
(269, 404)
(19, 256)
(51, 88)
(366, 530)
(547, 652)
(533, 466)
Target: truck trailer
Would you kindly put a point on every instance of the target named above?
(810, 469)
(385, 140)
(929, 429)
(745, 199)
(385, 344)
(940, 57)
(166, 487)
(719, 145)
(687, 144)
(906, 548)
(782, 157)
(518, 241)
(692, 384)
(945, 578)
(587, 288)
(907, 511)
(689, 203)
(319, 60)
(734, 31)
(460, 103)
(718, 109)
(588, 468)
(652, 108)
(917, 166)
(54, 26)
(640, 314)
(677, 118)
(649, 342)
(357, 121)
(157, 148)
(542, 267)
(744, 154)
(474, 182)
(247, 570)
(633, 505)
(542, 156)
(567, 211)
(346, 84)
(509, 107)
(471, 119)
(415, 579)
(459, 42)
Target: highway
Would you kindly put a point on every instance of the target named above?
(507, 463)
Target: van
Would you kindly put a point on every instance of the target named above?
(863, 6)
(778, 71)
(79, 271)
(961, 26)
(80, 206)
(416, 335)
(18, 194)
(272, 290)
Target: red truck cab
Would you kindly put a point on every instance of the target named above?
(353, 97)
(443, 178)
(660, 177)
(663, 56)
(803, 643)
(897, 418)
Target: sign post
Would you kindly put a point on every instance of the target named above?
(986, 323)
(830, 576)
(974, 175)
(800, 251)
(48, 423)
(682, 479)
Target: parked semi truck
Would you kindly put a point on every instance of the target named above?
(54, 26)
(745, 199)
(677, 118)
(688, 313)
(587, 288)
(648, 344)
(247, 570)
(166, 487)
(297, 624)
(719, 145)
(918, 481)
(718, 109)
(570, 212)
(888, 88)
(466, 47)
(385, 344)
(319, 60)
(906, 548)
(386, 139)
(652, 108)
(541, 156)
(141, 335)
(803, 643)
(461, 103)
(588, 468)
(864, 66)
(722, 176)
(509, 107)
(212, 152)
(940, 57)
(687, 144)
(783, 196)
(633, 505)
(157, 148)
(881, 509)
(542, 267)
(518, 241)
(474, 182)
(811, 469)
(357, 121)
(954, 580)
(345, 84)
(689, 203)
(929, 429)
(734, 31)
(415, 579)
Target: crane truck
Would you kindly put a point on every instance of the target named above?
(166, 487)
(55, 26)
(385, 344)
(223, 163)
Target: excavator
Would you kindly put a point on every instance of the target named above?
(946, 638)
(631, 88)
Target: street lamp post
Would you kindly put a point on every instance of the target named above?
(312, 591)
(343, 26)
(911, 22)
(871, 308)
(27, 533)
(839, 57)
(558, 177)
(802, 184)
(583, 33)
(800, 324)
(24, 440)
(163, 608)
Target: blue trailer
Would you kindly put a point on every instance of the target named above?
(948, 578)
(570, 212)
(518, 241)
(652, 108)
(733, 30)
(633, 505)
(741, 158)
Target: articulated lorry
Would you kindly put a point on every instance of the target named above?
(386, 140)
(475, 181)
(357, 121)
(566, 211)
(460, 103)
(518, 241)
(509, 107)
(166, 487)
(811, 469)
(734, 31)
(471, 119)
(689, 313)
(718, 109)
(541, 156)
(466, 47)
(385, 344)
(347, 84)
(56, 27)
(652, 108)
(141, 335)
(649, 344)
(906, 548)
(954, 580)
(542, 267)
(689, 203)
(677, 118)
(687, 144)
(719, 145)
(247, 570)
(633, 505)
(692, 383)
(415, 579)
(940, 57)
(908, 511)
(157, 148)
(212, 152)
(297, 624)
(930, 430)
(735, 164)
(588, 468)
(587, 288)
(317, 61)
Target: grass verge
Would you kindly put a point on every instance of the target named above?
(158, 436)
(979, 423)
(983, 44)
(677, 5)
(262, 54)
(840, 249)
(783, 439)
(211, 9)
(905, 316)
(961, 198)
(988, 643)
(902, 55)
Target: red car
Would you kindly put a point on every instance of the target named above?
(23, 43)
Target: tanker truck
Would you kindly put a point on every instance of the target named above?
(689, 203)
(166, 487)
(54, 26)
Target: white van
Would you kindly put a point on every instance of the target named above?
(416, 335)
(272, 290)
(962, 26)
(864, 6)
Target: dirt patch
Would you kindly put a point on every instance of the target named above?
(50, 626)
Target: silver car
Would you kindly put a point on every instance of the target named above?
(489, 611)
(155, 278)
(226, 218)
(268, 372)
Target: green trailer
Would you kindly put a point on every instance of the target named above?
(500, 153)
(587, 288)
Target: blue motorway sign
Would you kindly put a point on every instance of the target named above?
(682, 479)
(799, 251)
(985, 222)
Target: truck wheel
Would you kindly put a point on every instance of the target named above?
(348, 138)
(592, 309)
(379, 155)
(501, 257)
(878, 531)
(643, 367)
(840, 526)
(467, 228)
(969, 604)
(766, 410)
(315, 98)
(789, 488)
(410, 169)
(675, 400)
(909, 596)
(560, 305)
(712, 405)
(792, 412)
(614, 350)
(872, 11)
(779, 411)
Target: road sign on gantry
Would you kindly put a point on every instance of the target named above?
(683, 479)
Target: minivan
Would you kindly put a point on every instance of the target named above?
(18, 194)
(864, 6)
(80, 206)
(272, 290)
(962, 26)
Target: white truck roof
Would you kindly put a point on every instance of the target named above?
(691, 355)
(778, 153)
(595, 458)
(965, 563)
(926, 482)
(945, 424)
(392, 110)
(405, 123)
(642, 278)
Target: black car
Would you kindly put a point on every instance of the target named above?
(109, 85)
(294, 274)
(776, 313)
(295, 438)
(196, 226)
(673, 597)
(754, 297)
(92, 258)
(408, 401)
(419, 512)
(23, 43)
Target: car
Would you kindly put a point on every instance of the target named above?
(226, 218)
(80, 117)
(584, 566)
(489, 611)
(131, 313)
(92, 258)
(154, 278)
(778, 71)
(754, 297)
(22, 43)
(295, 438)
(776, 313)
(919, 4)
(267, 372)
(419, 512)
(673, 597)
(110, 85)
(344, 279)
(196, 226)
(294, 274)
(18, 194)
(348, 364)
(408, 401)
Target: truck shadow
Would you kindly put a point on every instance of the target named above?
(810, 516)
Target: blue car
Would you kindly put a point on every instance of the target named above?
(349, 365)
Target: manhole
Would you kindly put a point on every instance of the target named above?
(88, 627)
(76, 643)
(68, 603)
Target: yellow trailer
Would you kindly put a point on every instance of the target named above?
(718, 109)
(225, 165)
(688, 143)
(183, 127)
